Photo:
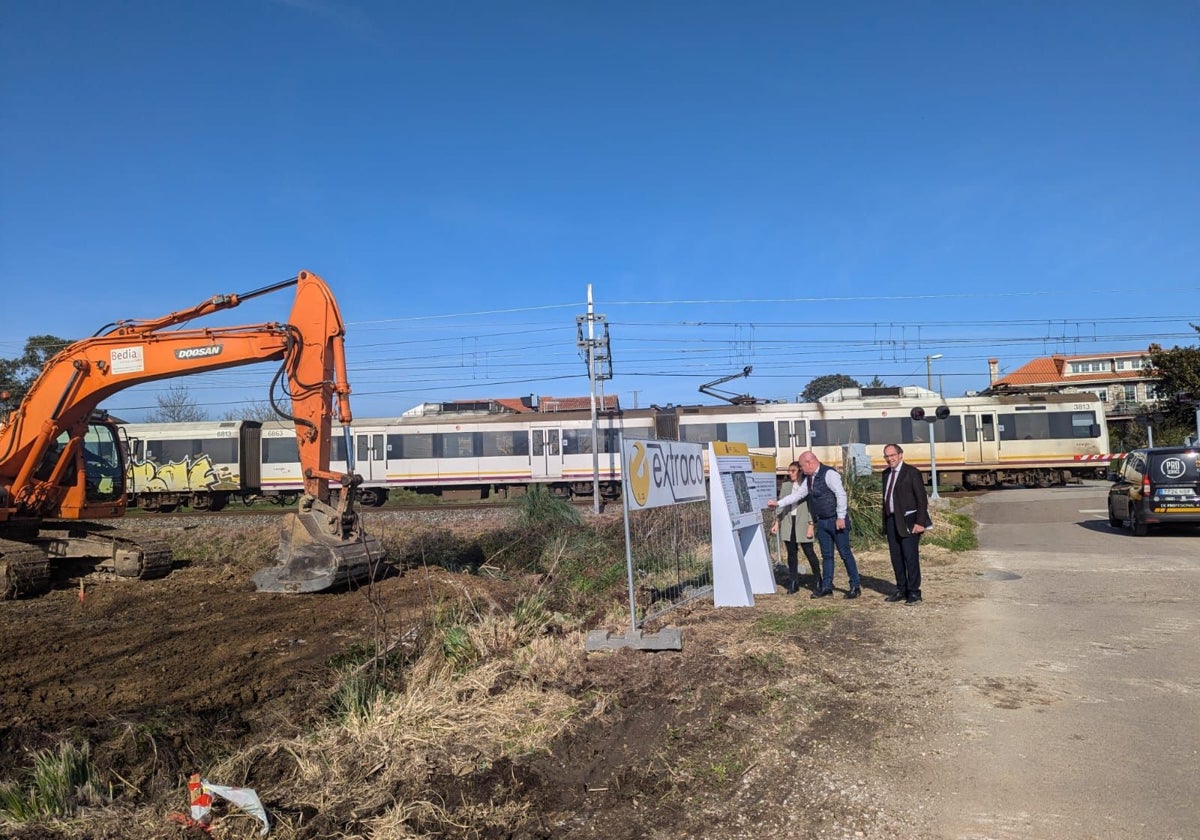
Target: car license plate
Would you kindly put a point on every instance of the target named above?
(1175, 491)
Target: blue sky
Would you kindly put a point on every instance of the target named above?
(806, 188)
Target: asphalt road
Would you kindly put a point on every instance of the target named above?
(1075, 708)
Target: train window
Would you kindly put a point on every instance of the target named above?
(766, 434)
(545, 442)
(504, 443)
(411, 446)
(835, 432)
(1078, 424)
(885, 430)
(1025, 427)
(576, 441)
(751, 434)
(281, 450)
(950, 430)
(700, 432)
(579, 441)
(458, 444)
(785, 436)
(337, 449)
(219, 450)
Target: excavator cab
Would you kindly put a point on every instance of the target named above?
(102, 459)
(104, 464)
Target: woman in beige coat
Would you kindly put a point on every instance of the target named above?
(795, 527)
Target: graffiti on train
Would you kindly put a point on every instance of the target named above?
(193, 473)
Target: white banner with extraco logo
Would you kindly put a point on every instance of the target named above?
(662, 472)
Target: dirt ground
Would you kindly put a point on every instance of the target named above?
(788, 719)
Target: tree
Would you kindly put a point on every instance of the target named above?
(876, 382)
(259, 410)
(17, 375)
(1178, 372)
(827, 384)
(176, 405)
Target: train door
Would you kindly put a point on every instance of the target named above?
(791, 440)
(369, 456)
(545, 452)
(981, 441)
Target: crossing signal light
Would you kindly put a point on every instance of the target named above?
(939, 413)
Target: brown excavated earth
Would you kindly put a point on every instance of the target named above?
(749, 731)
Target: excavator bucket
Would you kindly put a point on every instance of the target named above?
(314, 555)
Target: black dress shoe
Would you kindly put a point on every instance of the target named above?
(854, 592)
(822, 593)
(899, 596)
(912, 599)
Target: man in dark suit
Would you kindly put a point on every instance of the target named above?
(905, 518)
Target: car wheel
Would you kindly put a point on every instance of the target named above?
(1138, 527)
(1114, 520)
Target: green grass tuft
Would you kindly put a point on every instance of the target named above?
(539, 507)
(959, 536)
(58, 783)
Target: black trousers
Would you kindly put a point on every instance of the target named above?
(793, 561)
(906, 559)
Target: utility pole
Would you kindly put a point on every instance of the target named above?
(933, 479)
(929, 370)
(599, 362)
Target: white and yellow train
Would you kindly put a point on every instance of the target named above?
(985, 441)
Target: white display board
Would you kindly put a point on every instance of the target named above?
(741, 563)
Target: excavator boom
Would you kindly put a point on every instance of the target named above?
(49, 449)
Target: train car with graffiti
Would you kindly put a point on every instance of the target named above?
(201, 465)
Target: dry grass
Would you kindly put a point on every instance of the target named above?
(450, 721)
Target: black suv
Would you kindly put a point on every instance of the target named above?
(1156, 487)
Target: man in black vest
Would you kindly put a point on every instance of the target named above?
(905, 518)
(826, 495)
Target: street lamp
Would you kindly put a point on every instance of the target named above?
(932, 453)
(929, 369)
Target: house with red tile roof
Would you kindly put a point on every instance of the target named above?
(1122, 380)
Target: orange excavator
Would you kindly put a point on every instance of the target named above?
(62, 463)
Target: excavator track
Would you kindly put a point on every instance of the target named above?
(24, 570)
(105, 550)
(154, 556)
